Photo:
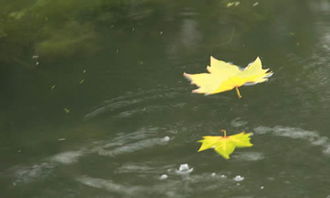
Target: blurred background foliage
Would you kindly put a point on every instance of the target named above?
(63, 28)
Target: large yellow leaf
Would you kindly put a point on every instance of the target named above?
(225, 145)
(225, 76)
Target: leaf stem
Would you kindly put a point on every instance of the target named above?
(238, 93)
(224, 132)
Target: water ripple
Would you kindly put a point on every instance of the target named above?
(133, 103)
(297, 133)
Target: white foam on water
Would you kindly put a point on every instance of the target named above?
(133, 147)
(260, 130)
(175, 187)
(237, 122)
(136, 168)
(68, 157)
(312, 137)
(142, 168)
(39, 171)
(249, 156)
(32, 173)
(169, 189)
(109, 185)
(123, 143)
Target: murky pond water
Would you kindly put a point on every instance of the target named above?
(94, 103)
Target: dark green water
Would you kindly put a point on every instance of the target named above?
(94, 104)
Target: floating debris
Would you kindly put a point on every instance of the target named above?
(53, 87)
(81, 81)
(255, 4)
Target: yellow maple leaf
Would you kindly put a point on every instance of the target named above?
(225, 145)
(225, 76)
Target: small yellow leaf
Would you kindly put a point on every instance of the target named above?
(223, 76)
(225, 145)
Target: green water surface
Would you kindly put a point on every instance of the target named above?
(94, 104)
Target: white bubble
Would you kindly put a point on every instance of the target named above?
(223, 176)
(163, 177)
(184, 169)
(166, 139)
(238, 178)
